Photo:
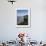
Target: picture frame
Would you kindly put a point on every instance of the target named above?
(23, 16)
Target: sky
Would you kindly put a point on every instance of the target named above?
(22, 12)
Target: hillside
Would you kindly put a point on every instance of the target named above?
(25, 22)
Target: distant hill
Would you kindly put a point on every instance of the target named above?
(25, 22)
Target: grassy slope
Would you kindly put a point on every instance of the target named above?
(25, 20)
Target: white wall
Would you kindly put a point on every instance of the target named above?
(8, 28)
